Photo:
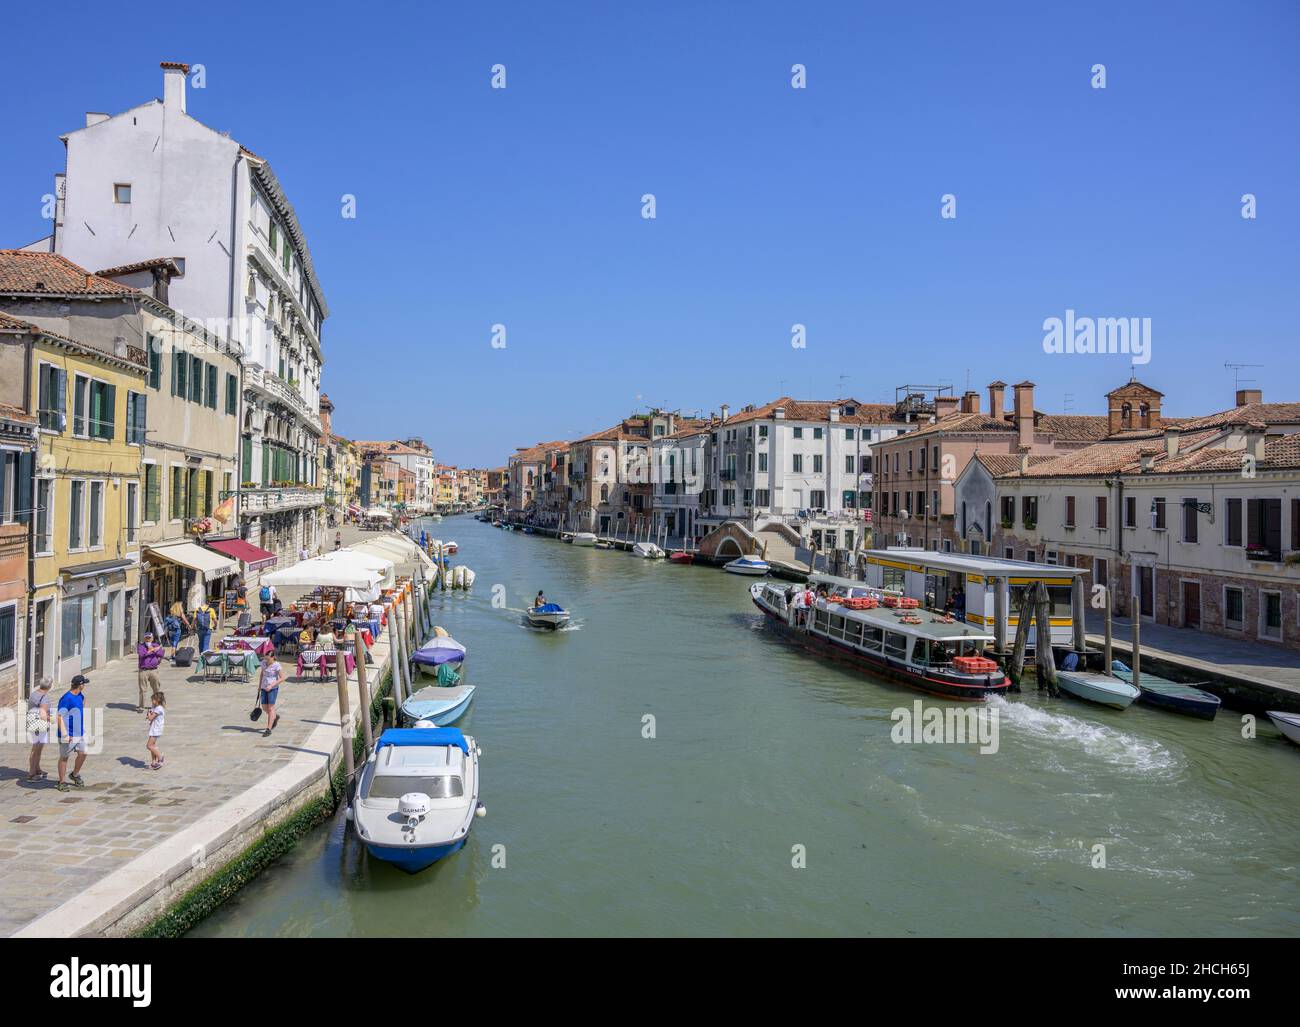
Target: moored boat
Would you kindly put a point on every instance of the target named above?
(417, 796)
(754, 566)
(1287, 723)
(551, 616)
(682, 557)
(437, 652)
(437, 705)
(1170, 695)
(925, 651)
(648, 551)
(1103, 689)
(584, 538)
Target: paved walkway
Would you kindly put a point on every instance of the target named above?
(1249, 661)
(54, 845)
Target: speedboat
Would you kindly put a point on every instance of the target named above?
(682, 557)
(584, 538)
(1103, 689)
(648, 551)
(1170, 695)
(1287, 723)
(439, 650)
(551, 616)
(755, 566)
(450, 547)
(417, 796)
(461, 577)
(436, 705)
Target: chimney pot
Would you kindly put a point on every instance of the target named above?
(997, 400)
(971, 402)
(945, 405)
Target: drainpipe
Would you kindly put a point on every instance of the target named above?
(31, 525)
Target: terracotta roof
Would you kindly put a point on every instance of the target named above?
(172, 264)
(28, 272)
(528, 454)
(1264, 413)
(18, 414)
(1065, 427)
(1005, 463)
(817, 410)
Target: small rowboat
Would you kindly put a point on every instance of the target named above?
(1170, 695)
(438, 706)
(1287, 723)
(682, 558)
(1098, 688)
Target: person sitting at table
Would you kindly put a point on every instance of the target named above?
(306, 636)
(327, 639)
(376, 612)
(310, 615)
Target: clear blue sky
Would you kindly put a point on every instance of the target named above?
(775, 206)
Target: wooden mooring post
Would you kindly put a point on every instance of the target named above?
(363, 688)
(1045, 657)
(345, 713)
(1017, 669)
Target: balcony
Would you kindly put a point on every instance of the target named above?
(277, 389)
(258, 500)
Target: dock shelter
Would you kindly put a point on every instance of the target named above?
(986, 591)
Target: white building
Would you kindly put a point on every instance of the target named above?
(412, 455)
(679, 463)
(154, 182)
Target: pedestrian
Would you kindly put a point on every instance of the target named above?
(149, 655)
(302, 553)
(338, 540)
(267, 598)
(182, 628)
(204, 619)
(268, 690)
(38, 727)
(71, 717)
(156, 717)
(241, 595)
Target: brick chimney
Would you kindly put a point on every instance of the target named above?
(1024, 411)
(1245, 397)
(970, 403)
(997, 401)
(945, 405)
(174, 84)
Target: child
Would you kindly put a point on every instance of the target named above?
(156, 716)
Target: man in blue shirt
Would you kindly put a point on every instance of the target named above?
(72, 731)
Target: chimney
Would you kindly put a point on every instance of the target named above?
(726, 411)
(970, 403)
(1147, 461)
(94, 118)
(778, 413)
(834, 413)
(997, 390)
(174, 85)
(1024, 462)
(1172, 436)
(945, 405)
(1245, 397)
(1024, 409)
(1255, 442)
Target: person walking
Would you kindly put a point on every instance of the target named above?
(267, 598)
(156, 717)
(149, 655)
(268, 690)
(205, 617)
(38, 727)
(338, 540)
(181, 623)
(71, 718)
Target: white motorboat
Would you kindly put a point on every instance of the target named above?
(1287, 723)
(461, 577)
(1103, 689)
(437, 706)
(584, 538)
(550, 616)
(450, 547)
(648, 551)
(417, 796)
(755, 566)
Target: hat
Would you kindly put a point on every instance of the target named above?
(81, 679)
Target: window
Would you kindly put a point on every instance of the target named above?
(817, 499)
(1159, 520)
(1130, 511)
(136, 405)
(207, 494)
(11, 481)
(210, 390)
(817, 433)
(1069, 511)
(122, 192)
(817, 463)
(1270, 614)
(154, 346)
(762, 461)
(286, 256)
(96, 534)
(52, 397)
(1264, 528)
(1234, 607)
(761, 497)
(1009, 553)
(152, 493)
(275, 236)
(132, 508)
(762, 431)
(1029, 511)
(910, 455)
(798, 463)
(848, 464)
(1100, 519)
(1008, 511)
(232, 394)
(180, 367)
(934, 504)
(44, 540)
(8, 626)
(196, 379)
(848, 434)
(177, 506)
(76, 514)
(1190, 522)
(1232, 522)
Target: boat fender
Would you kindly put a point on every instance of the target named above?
(480, 810)
(348, 813)
(425, 723)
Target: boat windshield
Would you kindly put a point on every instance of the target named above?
(394, 786)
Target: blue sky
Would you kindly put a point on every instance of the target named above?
(775, 206)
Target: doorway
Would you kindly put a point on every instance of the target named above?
(41, 633)
(1144, 590)
(1191, 604)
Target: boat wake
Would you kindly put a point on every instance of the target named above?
(1119, 750)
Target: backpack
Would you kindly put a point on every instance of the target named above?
(203, 619)
(265, 593)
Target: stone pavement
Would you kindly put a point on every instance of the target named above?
(53, 845)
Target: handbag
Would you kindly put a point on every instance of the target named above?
(256, 712)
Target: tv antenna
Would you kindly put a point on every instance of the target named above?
(1236, 370)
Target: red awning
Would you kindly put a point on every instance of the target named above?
(252, 557)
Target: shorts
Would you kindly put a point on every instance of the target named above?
(76, 745)
(39, 737)
(269, 695)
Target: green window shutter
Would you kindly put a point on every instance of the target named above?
(23, 503)
(108, 415)
(246, 463)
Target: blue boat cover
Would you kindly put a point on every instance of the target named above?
(549, 608)
(423, 736)
(437, 657)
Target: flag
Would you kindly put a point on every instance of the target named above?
(225, 510)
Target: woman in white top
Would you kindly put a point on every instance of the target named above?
(38, 727)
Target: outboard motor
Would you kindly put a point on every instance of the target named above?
(414, 806)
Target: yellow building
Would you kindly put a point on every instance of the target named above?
(88, 501)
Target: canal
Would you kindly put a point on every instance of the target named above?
(760, 753)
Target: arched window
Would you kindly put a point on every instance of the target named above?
(1144, 412)
(604, 493)
(1126, 415)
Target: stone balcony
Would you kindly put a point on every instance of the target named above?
(258, 500)
(277, 389)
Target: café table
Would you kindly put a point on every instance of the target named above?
(259, 644)
(325, 660)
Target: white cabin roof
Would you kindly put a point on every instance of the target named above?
(964, 563)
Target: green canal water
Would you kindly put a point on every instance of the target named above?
(758, 749)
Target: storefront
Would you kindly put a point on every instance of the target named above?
(196, 570)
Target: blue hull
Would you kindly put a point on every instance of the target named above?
(413, 860)
(443, 717)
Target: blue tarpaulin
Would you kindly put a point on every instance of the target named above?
(549, 608)
(423, 736)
